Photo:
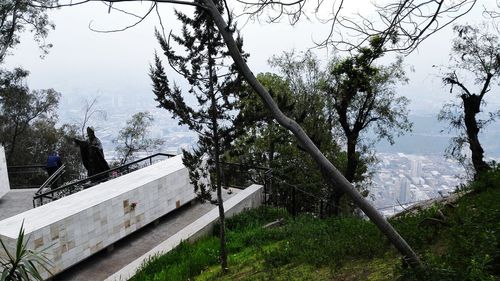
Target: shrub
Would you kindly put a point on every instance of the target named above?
(23, 263)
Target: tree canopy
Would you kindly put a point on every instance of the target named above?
(134, 137)
(17, 16)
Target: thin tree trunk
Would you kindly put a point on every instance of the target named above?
(471, 109)
(334, 175)
(12, 146)
(220, 201)
(352, 161)
(222, 218)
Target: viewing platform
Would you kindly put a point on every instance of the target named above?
(76, 227)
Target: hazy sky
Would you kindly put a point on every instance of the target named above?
(84, 62)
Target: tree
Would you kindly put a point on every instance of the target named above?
(475, 53)
(262, 142)
(213, 83)
(90, 110)
(361, 97)
(134, 137)
(70, 154)
(18, 15)
(20, 107)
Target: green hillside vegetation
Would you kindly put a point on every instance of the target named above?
(456, 241)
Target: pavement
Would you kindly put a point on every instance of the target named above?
(15, 202)
(108, 261)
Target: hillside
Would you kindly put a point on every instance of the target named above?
(456, 241)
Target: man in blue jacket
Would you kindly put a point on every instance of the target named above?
(53, 163)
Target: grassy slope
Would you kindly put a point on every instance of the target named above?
(456, 242)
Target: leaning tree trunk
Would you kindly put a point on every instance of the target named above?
(472, 105)
(334, 176)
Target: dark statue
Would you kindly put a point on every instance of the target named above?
(92, 154)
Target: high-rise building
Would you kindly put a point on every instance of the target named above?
(403, 189)
(416, 168)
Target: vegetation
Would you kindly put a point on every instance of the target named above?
(134, 137)
(18, 16)
(360, 97)
(475, 53)
(28, 121)
(22, 264)
(20, 108)
(262, 142)
(457, 241)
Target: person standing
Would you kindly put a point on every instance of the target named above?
(54, 162)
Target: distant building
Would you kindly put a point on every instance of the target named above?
(416, 168)
(403, 189)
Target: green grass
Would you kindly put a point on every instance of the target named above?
(458, 242)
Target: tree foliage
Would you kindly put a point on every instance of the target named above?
(20, 108)
(351, 98)
(91, 112)
(264, 143)
(361, 97)
(17, 16)
(28, 125)
(475, 54)
(134, 137)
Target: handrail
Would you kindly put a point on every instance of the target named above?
(67, 189)
(56, 175)
(37, 166)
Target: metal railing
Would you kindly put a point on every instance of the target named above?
(295, 199)
(47, 194)
(241, 176)
(276, 191)
(26, 176)
(53, 179)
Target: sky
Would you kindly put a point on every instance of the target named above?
(88, 63)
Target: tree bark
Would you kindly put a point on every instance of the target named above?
(472, 105)
(352, 160)
(334, 176)
(220, 201)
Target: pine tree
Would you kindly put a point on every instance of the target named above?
(213, 82)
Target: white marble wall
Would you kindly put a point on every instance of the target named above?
(83, 223)
(4, 177)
